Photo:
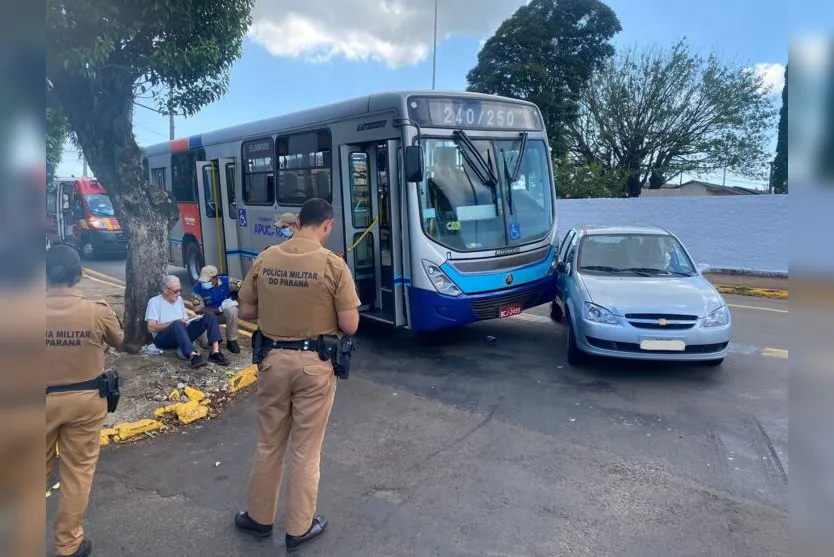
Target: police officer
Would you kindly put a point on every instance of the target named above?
(76, 333)
(297, 290)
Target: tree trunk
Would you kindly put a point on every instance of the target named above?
(100, 112)
(634, 185)
(656, 180)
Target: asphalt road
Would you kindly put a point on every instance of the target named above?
(484, 441)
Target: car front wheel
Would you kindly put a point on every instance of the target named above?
(576, 356)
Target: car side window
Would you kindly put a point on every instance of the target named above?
(572, 249)
(565, 243)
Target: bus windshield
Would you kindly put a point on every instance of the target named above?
(99, 205)
(464, 208)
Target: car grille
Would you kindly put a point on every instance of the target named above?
(487, 309)
(661, 321)
(635, 348)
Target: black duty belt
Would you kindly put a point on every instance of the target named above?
(91, 385)
(294, 344)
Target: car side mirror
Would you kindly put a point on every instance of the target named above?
(413, 163)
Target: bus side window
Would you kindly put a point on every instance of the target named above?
(259, 171)
(304, 162)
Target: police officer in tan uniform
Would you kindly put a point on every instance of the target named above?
(297, 290)
(77, 331)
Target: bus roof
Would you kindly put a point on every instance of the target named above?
(344, 109)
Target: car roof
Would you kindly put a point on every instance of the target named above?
(592, 230)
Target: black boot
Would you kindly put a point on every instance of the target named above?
(316, 530)
(245, 523)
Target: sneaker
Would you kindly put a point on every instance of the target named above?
(83, 550)
(197, 361)
(219, 358)
(316, 529)
(234, 347)
(245, 524)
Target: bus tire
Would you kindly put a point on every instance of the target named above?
(193, 260)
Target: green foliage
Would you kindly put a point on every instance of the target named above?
(545, 53)
(656, 113)
(57, 131)
(588, 180)
(187, 46)
(779, 178)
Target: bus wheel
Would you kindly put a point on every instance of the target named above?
(193, 261)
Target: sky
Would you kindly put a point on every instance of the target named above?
(299, 55)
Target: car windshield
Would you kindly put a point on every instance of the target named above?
(471, 206)
(99, 205)
(634, 254)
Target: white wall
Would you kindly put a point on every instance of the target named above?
(738, 232)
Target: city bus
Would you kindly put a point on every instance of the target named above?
(445, 203)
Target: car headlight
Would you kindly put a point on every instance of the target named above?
(440, 281)
(718, 317)
(599, 314)
(98, 224)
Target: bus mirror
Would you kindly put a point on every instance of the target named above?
(413, 163)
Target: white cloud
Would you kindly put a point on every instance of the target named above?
(396, 32)
(773, 77)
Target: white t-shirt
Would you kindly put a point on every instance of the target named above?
(163, 311)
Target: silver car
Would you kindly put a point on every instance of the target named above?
(634, 292)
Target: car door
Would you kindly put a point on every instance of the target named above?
(561, 264)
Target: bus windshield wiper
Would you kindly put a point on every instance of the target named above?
(521, 149)
(482, 168)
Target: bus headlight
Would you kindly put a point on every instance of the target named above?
(440, 281)
(552, 267)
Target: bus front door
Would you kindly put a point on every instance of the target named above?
(219, 219)
(371, 229)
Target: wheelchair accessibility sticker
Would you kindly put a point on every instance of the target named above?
(515, 231)
(241, 217)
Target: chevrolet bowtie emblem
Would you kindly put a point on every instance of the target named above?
(662, 322)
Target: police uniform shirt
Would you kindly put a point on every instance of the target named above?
(298, 287)
(77, 331)
(213, 297)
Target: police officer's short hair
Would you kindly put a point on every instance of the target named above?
(63, 266)
(315, 212)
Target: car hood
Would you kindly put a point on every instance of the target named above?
(682, 295)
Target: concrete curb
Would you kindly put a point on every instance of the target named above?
(740, 290)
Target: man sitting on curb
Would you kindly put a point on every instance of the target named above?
(213, 294)
(169, 324)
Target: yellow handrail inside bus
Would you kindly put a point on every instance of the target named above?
(218, 225)
(362, 237)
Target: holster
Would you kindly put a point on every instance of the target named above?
(260, 347)
(110, 388)
(338, 351)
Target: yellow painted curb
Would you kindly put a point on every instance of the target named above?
(129, 430)
(243, 378)
(749, 291)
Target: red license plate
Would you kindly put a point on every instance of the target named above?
(508, 311)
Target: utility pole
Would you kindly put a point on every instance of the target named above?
(84, 168)
(170, 114)
(434, 50)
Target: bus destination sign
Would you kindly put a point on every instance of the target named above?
(461, 113)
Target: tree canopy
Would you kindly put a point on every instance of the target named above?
(102, 56)
(779, 178)
(655, 113)
(56, 135)
(545, 53)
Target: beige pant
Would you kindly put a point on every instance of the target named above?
(73, 425)
(295, 396)
(230, 319)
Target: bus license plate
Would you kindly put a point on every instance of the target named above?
(509, 311)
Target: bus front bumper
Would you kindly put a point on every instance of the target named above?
(431, 310)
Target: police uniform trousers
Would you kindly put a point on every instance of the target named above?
(73, 425)
(295, 395)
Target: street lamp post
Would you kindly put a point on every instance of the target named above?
(434, 50)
